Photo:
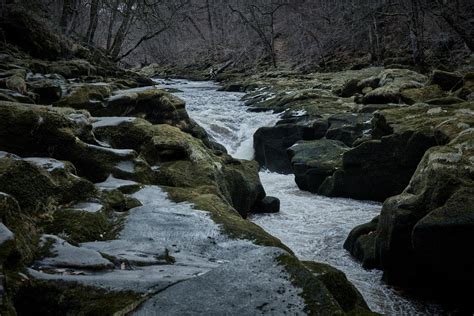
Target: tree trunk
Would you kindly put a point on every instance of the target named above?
(93, 20)
(110, 29)
(463, 34)
(211, 29)
(66, 15)
(122, 31)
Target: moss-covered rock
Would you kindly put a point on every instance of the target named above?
(66, 298)
(324, 288)
(44, 132)
(391, 83)
(314, 161)
(346, 294)
(423, 233)
(361, 243)
(82, 226)
(447, 80)
(424, 94)
(185, 161)
(380, 168)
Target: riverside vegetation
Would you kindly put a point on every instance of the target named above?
(114, 201)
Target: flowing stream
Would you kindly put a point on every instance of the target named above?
(314, 227)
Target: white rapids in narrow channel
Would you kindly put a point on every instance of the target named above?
(314, 227)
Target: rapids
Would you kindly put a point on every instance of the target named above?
(313, 226)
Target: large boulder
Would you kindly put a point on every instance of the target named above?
(48, 91)
(155, 105)
(348, 127)
(29, 130)
(447, 80)
(391, 83)
(382, 167)
(361, 244)
(314, 161)
(271, 143)
(423, 234)
(269, 204)
(182, 160)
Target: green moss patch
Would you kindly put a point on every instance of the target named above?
(78, 226)
(64, 298)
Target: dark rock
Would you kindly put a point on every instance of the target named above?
(382, 167)
(350, 88)
(269, 204)
(314, 161)
(218, 147)
(423, 234)
(392, 82)
(447, 80)
(271, 143)
(48, 91)
(378, 169)
(346, 294)
(347, 127)
(416, 95)
(361, 243)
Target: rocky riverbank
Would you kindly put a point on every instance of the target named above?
(390, 135)
(112, 200)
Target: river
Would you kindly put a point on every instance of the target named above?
(313, 226)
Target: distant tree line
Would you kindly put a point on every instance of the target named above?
(312, 33)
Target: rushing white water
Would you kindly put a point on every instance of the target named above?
(223, 116)
(314, 227)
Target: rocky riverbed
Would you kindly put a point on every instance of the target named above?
(389, 135)
(114, 200)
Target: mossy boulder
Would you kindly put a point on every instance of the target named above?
(67, 298)
(37, 131)
(30, 185)
(154, 105)
(314, 161)
(324, 288)
(447, 80)
(47, 90)
(424, 94)
(89, 97)
(346, 294)
(181, 160)
(391, 83)
(382, 167)
(271, 143)
(361, 243)
(423, 233)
